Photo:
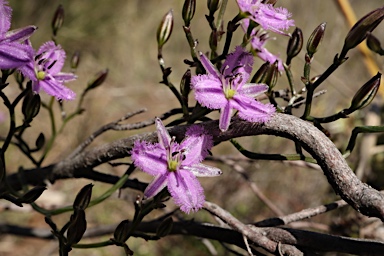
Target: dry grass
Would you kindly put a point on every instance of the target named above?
(120, 35)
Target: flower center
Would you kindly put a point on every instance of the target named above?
(172, 165)
(229, 93)
(40, 75)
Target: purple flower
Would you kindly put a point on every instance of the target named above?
(258, 40)
(269, 17)
(228, 90)
(45, 72)
(13, 53)
(176, 165)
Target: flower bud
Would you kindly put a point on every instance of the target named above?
(359, 31)
(365, 94)
(75, 60)
(260, 73)
(32, 195)
(121, 233)
(165, 227)
(83, 198)
(31, 106)
(188, 11)
(19, 77)
(374, 44)
(165, 29)
(58, 19)
(40, 141)
(77, 227)
(185, 84)
(97, 80)
(295, 44)
(315, 39)
(213, 6)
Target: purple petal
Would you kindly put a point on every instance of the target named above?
(208, 91)
(20, 34)
(65, 77)
(55, 56)
(202, 170)
(196, 146)
(269, 57)
(162, 134)
(225, 117)
(158, 183)
(14, 55)
(253, 90)
(5, 17)
(28, 70)
(207, 64)
(251, 109)
(186, 191)
(238, 62)
(57, 89)
(151, 158)
(274, 19)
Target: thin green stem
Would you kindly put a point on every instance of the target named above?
(279, 157)
(95, 201)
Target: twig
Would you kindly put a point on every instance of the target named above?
(256, 235)
(238, 168)
(101, 130)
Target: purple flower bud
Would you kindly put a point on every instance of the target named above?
(121, 233)
(365, 94)
(315, 39)
(188, 11)
(359, 31)
(164, 30)
(374, 44)
(58, 19)
(97, 80)
(77, 227)
(213, 6)
(295, 44)
(75, 60)
(83, 198)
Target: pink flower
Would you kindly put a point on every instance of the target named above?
(45, 72)
(13, 53)
(258, 40)
(176, 165)
(269, 17)
(228, 90)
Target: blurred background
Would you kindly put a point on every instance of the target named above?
(121, 35)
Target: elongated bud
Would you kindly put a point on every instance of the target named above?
(188, 12)
(32, 195)
(165, 227)
(271, 76)
(260, 73)
(77, 227)
(83, 198)
(31, 106)
(365, 94)
(295, 44)
(165, 29)
(75, 60)
(359, 31)
(121, 233)
(374, 44)
(58, 19)
(185, 84)
(40, 141)
(213, 6)
(97, 80)
(19, 77)
(315, 39)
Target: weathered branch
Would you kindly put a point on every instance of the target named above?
(313, 241)
(359, 195)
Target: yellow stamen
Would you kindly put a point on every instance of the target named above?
(40, 75)
(172, 165)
